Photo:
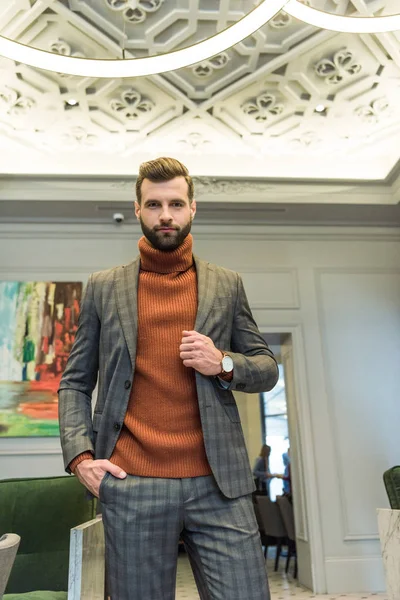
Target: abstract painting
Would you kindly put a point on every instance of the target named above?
(38, 323)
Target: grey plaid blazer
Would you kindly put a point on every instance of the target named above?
(105, 348)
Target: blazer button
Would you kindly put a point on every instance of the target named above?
(240, 386)
(117, 426)
(127, 384)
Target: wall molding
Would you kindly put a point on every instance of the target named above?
(132, 232)
(281, 305)
(35, 269)
(357, 271)
(346, 559)
(62, 188)
(352, 574)
(347, 535)
(361, 537)
(28, 452)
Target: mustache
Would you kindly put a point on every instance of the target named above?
(166, 227)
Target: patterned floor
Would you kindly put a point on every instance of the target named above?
(282, 587)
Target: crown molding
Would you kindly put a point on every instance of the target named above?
(207, 189)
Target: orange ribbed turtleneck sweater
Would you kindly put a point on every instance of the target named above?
(162, 435)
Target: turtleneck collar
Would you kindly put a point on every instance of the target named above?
(159, 261)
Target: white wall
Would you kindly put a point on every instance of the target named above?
(250, 416)
(338, 292)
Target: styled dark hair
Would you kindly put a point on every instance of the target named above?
(265, 451)
(163, 169)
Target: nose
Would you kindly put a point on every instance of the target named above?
(165, 216)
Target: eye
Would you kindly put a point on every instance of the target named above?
(152, 204)
(177, 204)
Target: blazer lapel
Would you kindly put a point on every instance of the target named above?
(126, 284)
(206, 290)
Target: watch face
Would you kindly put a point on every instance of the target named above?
(227, 364)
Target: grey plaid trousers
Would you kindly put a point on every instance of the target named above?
(143, 518)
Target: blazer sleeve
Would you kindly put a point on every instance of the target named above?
(78, 382)
(255, 368)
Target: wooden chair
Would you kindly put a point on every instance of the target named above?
(270, 523)
(286, 510)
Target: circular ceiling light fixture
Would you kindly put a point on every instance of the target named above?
(343, 24)
(138, 67)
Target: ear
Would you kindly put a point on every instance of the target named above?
(137, 210)
(193, 208)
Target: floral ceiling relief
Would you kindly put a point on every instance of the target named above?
(134, 11)
(263, 108)
(130, 105)
(342, 66)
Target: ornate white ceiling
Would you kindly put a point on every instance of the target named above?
(249, 112)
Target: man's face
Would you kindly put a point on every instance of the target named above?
(165, 213)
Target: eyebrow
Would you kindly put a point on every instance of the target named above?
(171, 200)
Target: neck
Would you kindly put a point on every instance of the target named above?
(161, 261)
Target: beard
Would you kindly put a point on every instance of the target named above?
(166, 241)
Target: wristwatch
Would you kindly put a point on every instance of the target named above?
(226, 364)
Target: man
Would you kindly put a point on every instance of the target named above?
(287, 480)
(169, 337)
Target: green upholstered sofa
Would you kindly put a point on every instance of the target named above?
(42, 511)
(38, 595)
(391, 479)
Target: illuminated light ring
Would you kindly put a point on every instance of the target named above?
(139, 67)
(343, 24)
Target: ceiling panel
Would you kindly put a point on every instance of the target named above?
(290, 102)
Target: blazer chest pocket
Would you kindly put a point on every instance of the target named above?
(219, 323)
(232, 411)
(222, 303)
